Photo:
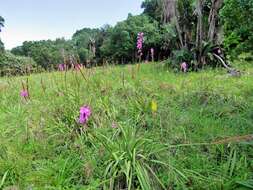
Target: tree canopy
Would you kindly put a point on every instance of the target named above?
(237, 16)
(1, 25)
(184, 30)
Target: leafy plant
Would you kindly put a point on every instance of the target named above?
(131, 160)
(179, 56)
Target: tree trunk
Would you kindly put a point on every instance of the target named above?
(213, 17)
(199, 35)
(170, 13)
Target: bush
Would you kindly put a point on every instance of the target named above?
(179, 56)
(15, 65)
(131, 161)
(1, 46)
(246, 57)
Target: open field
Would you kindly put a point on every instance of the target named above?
(150, 128)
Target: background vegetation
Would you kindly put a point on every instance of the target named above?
(171, 36)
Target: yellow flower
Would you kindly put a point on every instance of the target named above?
(154, 106)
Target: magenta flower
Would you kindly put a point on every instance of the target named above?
(24, 93)
(183, 67)
(78, 66)
(85, 113)
(61, 67)
(140, 40)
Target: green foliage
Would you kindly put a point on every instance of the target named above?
(84, 55)
(237, 16)
(130, 160)
(118, 44)
(1, 22)
(15, 65)
(82, 38)
(1, 47)
(1, 43)
(47, 54)
(169, 37)
(121, 43)
(178, 57)
(42, 147)
(153, 8)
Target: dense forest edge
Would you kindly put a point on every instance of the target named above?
(190, 31)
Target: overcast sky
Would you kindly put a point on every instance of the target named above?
(49, 19)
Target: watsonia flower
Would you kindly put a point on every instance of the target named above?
(85, 113)
(183, 67)
(24, 93)
(61, 67)
(140, 40)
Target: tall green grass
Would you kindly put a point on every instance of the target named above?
(43, 147)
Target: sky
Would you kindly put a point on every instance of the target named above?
(27, 20)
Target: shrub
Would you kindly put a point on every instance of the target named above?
(179, 56)
(15, 65)
(131, 160)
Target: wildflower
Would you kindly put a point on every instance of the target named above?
(78, 67)
(85, 113)
(154, 106)
(61, 67)
(140, 40)
(183, 67)
(114, 125)
(24, 93)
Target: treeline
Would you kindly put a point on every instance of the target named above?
(107, 44)
(11, 64)
(184, 30)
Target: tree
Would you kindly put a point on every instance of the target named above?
(200, 31)
(46, 53)
(213, 19)
(1, 25)
(1, 22)
(1, 46)
(197, 25)
(120, 43)
(153, 8)
(237, 16)
(87, 42)
(170, 14)
(15, 65)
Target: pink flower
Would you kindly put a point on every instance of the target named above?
(114, 125)
(183, 67)
(78, 66)
(24, 93)
(85, 113)
(61, 67)
(140, 40)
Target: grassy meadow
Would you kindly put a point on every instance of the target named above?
(150, 128)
